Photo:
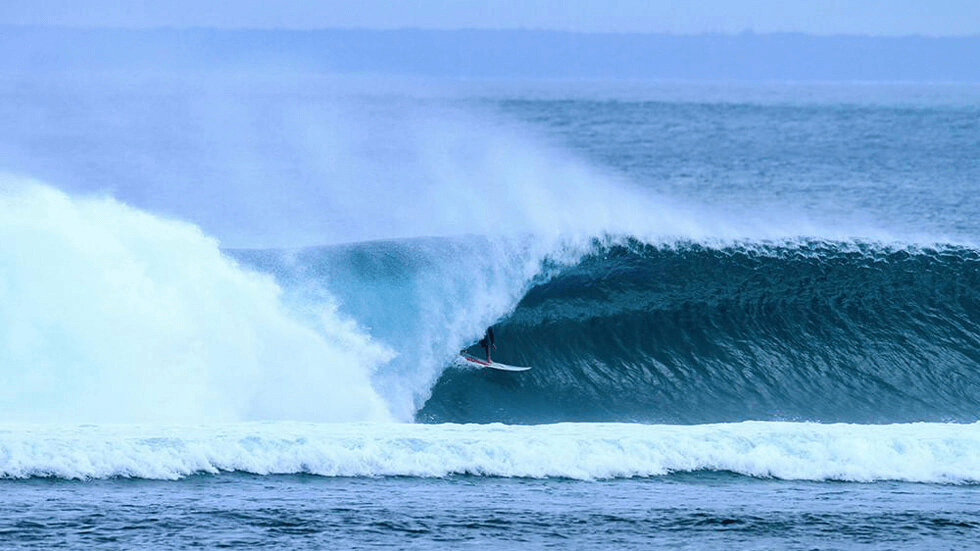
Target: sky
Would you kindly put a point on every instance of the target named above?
(865, 17)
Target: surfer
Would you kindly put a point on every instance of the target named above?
(487, 342)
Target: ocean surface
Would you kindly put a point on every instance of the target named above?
(231, 307)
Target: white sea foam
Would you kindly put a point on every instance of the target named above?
(111, 314)
(923, 452)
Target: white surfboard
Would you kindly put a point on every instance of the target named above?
(477, 362)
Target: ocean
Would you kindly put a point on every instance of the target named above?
(231, 307)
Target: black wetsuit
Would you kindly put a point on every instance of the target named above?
(487, 341)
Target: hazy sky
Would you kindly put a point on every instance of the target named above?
(875, 17)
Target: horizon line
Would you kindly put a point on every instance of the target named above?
(703, 34)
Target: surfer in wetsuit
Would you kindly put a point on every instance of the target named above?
(487, 342)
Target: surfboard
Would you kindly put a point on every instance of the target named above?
(477, 362)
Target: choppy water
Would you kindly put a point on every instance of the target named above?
(305, 512)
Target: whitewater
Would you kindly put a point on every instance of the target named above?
(715, 296)
(920, 452)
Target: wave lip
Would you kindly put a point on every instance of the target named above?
(919, 452)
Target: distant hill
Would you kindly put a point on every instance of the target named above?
(496, 54)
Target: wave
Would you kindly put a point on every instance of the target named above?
(674, 331)
(129, 317)
(931, 453)
(830, 331)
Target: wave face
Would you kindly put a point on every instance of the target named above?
(422, 298)
(691, 333)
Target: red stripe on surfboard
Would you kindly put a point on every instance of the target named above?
(477, 360)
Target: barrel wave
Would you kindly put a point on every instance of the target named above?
(685, 332)
(617, 328)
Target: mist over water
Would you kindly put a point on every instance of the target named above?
(305, 161)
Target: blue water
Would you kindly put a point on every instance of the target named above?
(231, 310)
(304, 512)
